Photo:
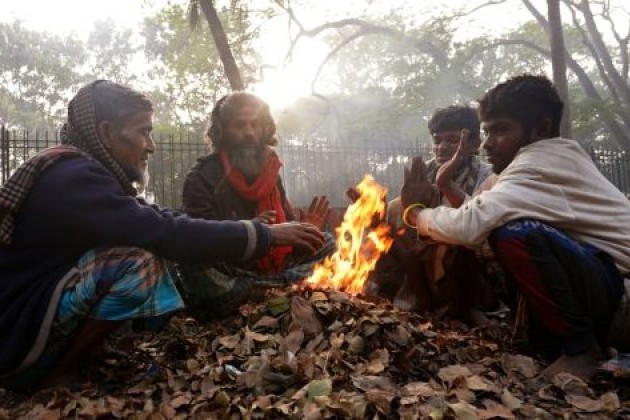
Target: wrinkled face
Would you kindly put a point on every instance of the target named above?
(244, 127)
(503, 137)
(243, 141)
(132, 144)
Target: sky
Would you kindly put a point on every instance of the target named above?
(282, 82)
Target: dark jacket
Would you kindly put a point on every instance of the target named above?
(207, 194)
(77, 205)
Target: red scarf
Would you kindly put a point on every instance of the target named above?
(264, 191)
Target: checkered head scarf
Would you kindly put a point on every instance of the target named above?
(79, 138)
(80, 131)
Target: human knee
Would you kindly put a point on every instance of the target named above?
(131, 271)
(138, 261)
(509, 240)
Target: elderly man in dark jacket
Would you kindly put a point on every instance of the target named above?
(240, 179)
(80, 254)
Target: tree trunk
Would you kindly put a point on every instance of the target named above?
(620, 85)
(220, 40)
(559, 63)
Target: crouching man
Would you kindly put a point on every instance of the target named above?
(80, 254)
(558, 227)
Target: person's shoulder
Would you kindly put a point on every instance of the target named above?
(74, 167)
(551, 154)
(208, 166)
(487, 184)
(75, 174)
(210, 162)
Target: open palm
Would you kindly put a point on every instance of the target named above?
(416, 188)
(446, 171)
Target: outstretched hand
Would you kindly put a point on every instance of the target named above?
(317, 212)
(416, 188)
(301, 235)
(446, 171)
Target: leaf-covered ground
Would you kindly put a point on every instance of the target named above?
(322, 354)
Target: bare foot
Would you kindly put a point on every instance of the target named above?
(583, 365)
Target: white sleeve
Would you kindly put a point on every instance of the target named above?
(516, 196)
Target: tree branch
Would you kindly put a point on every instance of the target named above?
(620, 85)
(331, 54)
(540, 18)
(481, 6)
(589, 46)
(619, 133)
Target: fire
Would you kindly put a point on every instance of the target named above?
(359, 246)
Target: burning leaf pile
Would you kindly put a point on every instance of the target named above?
(314, 353)
(359, 245)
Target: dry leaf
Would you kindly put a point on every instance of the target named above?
(450, 373)
(266, 322)
(356, 344)
(382, 399)
(372, 360)
(495, 411)
(571, 384)
(586, 404)
(464, 411)
(611, 402)
(180, 400)
(519, 363)
(278, 305)
(477, 383)
(319, 388)
(510, 401)
(371, 382)
(303, 316)
(421, 389)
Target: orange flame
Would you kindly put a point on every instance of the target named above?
(359, 246)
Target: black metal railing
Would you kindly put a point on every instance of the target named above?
(309, 169)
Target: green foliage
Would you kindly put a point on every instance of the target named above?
(389, 85)
(112, 53)
(37, 71)
(186, 63)
(409, 69)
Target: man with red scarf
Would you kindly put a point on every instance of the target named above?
(240, 180)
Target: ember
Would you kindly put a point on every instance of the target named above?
(359, 245)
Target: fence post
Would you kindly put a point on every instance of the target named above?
(4, 154)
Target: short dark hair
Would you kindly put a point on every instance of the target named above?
(455, 117)
(526, 98)
(116, 103)
(226, 107)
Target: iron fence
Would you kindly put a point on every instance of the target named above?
(309, 169)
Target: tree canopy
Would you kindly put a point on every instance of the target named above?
(387, 66)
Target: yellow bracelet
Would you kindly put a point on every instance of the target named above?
(406, 212)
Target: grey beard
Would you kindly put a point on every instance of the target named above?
(139, 179)
(247, 160)
(144, 181)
